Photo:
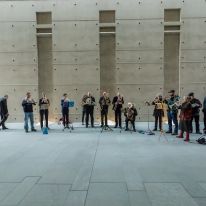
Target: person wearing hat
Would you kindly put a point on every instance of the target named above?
(196, 105)
(3, 111)
(158, 111)
(130, 114)
(172, 111)
(204, 112)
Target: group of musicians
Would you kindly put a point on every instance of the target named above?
(189, 108)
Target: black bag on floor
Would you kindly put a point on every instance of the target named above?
(201, 140)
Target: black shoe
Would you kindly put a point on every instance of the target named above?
(33, 130)
(4, 128)
(190, 131)
(86, 126)
(134, 130)
(198, 132)
(154, 130)
(168, 132)
(101, 125)
(26, 130)
(126, 129)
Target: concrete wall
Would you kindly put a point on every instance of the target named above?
(76, 54)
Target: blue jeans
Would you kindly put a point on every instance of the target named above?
(172, 117)
(28, 115)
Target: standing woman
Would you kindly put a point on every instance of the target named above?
(65, 110)
(185, 118)
(44, 110)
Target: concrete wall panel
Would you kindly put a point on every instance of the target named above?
(18, 58)
(73, 74)
(193, 55)
(79, 10)
(194, 8)
(84, 57)
(141, 74)
(197, 72)
(13, 75)
(139, 9)
(18, 36)
(12, 11)
(80, 35)
(144, 56)
(139, 34)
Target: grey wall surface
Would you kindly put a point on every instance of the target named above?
(139, 69)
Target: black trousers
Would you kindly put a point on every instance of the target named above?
(104, 113)
(132, 122)
(65, 115)
(118, 117)
(83, 114)
(197, 124)
(3, 120)
(204, 121)
(90, 112)
(44, 113)
(158, 119)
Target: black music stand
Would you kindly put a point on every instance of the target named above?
(106, 128)
(148, 131)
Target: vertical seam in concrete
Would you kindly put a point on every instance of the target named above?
(97, 146)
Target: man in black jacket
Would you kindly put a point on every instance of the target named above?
(196, 105)
(118, 102)
(104, 103)
(3, 111)
(89, 103)
(27, 105)
(204, 112)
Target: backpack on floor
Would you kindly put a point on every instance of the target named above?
(201, 140)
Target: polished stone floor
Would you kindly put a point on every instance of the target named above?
(90, 168)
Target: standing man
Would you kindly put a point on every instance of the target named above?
(104, 102)
(158, 111)
(196, 105)
(172, 111)
(83, 109)
(89, 102)
(118, 102)
(27, 105)
(44, 110)
(204, 112)
(3, 111)
(65, 110)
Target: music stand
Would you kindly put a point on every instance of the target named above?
(149, 131)
(106, 127)
(162, 134)
(70, 126)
